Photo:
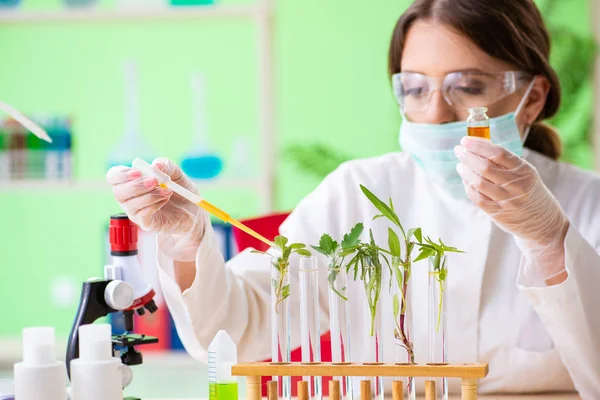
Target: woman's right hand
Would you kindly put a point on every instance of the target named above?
(151, 207)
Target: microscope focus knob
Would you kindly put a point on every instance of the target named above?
(119, 295)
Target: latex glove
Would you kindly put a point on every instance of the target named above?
(511, 192)
(178, 222)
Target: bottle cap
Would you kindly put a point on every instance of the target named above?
(478, 110)
(123, 235)
(38, 346)
(95, 342)
(223, 353)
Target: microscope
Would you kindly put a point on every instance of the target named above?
(124, 290)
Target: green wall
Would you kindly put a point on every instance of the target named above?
(330, 86)
(330, 83)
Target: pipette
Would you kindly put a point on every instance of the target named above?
(165, 181)
(26, 122)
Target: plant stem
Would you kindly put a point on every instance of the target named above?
(278, 291)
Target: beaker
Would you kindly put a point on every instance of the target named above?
(131, 145)
(200, 162)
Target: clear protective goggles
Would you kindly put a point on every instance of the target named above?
(461, 90)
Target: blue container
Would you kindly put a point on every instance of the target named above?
(80, 3)
(10, 3)
(191, 2)
(202, 166)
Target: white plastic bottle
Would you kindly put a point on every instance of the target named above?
(40, 375)
(96, 374)
(222, 355)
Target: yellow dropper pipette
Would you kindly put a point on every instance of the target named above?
(165, 181)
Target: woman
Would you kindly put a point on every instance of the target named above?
(524, 296)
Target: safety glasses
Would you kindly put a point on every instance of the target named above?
(461, 90)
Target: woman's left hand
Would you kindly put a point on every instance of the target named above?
(511, 192)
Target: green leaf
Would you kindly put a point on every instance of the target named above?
(297, 246)
(351, 239)
(393, 242)
(396, 305)
(417, 232)
(347, 252)
(258, 252)
(425, 253)
(286, 254)
(327, 244)
(391, 204)
(378, 216)
(382, 207)
(320, 250)
(409, 248)
(303, 252)
(274, 283)
(442, 274)
(285, 292)
(280, 241)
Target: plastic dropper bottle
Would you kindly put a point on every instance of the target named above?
(478, 123)
(40, 375)
(222, 355)
(96, 374)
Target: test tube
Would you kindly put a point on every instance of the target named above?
(372, 323)
(4, 159)
(280, 322)
(403, 346)
(309, 321)
(17, 144)
(437, 320)
(35, 157)
(339, 324)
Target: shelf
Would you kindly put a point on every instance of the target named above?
(101, 185)
(131, 13)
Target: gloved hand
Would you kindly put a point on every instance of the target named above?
(511, 192)
(178, 222)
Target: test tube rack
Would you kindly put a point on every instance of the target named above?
(468, 373)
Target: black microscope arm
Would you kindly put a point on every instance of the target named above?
(92, 306)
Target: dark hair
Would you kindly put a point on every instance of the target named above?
(509, 30)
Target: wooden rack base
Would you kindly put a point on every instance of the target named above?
(468, 373)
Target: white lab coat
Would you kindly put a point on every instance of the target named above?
(535, 338)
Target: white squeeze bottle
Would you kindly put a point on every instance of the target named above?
(40, 375)
(222, 355)
(96, 374)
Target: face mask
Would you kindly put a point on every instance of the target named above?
(432, 145)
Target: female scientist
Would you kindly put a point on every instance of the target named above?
(524, 297)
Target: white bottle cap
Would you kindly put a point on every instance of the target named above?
(38, 346)
(224, 352)
(95, 342)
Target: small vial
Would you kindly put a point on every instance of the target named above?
(478, 123)
(222, 355)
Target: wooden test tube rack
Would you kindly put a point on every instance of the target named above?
(468, 373)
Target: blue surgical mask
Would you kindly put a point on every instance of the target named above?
(432, 145)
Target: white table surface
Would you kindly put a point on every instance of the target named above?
(176, 376)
